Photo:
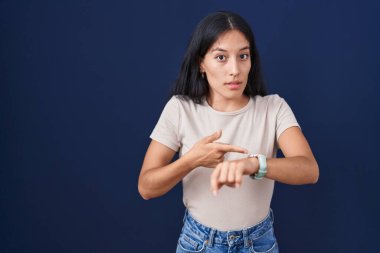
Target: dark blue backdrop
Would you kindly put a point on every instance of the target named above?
(84, 82)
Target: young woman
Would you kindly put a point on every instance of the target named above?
(227, 131)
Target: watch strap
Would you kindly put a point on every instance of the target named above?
(260, 174)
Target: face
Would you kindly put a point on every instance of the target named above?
(226, 66)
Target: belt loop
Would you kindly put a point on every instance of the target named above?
(211, 237)
(245, 235)
(184, 217)
(272, 215)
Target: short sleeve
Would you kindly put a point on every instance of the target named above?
(285, 117)
(166, 129)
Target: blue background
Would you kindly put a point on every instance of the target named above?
(83, 83)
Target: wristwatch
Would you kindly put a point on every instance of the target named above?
(262, 166)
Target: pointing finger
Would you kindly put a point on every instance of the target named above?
(231, 148)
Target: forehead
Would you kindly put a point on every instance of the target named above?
(230, 40)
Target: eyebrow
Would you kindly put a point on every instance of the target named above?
(223, 50)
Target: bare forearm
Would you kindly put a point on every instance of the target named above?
(158, 181)
(293, 170)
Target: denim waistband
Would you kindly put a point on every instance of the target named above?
(233, 237)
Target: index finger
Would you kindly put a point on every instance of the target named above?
(230, 148)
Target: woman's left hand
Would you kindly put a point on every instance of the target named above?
(231, 173)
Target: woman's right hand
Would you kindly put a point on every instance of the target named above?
(207, 153)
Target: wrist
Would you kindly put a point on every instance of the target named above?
(262, 168)
(254, 165)
(190, 160)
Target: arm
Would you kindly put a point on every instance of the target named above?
(298, 167)
(158, 175)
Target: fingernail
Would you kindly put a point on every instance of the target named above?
(215, 192)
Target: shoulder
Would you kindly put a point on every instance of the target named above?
(272, 101)
(175, 102)
(171, 107)
(182, 99)
(177, 105)
(184, 103)
(178, 99)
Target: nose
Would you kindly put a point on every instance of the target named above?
(234, 68)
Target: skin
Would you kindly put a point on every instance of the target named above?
(227, 60)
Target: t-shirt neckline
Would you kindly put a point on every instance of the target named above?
(241, 110)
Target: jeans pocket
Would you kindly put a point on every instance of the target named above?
(266, 243)
(189, 243)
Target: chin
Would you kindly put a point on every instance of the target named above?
(236, 95)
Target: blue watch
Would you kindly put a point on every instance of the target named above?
(262, 166)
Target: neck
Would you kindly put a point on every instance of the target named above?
(227, 105)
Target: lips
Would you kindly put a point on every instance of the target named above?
(233, 85)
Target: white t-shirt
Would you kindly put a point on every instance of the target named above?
(256, 127)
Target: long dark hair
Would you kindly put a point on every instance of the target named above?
(190, 83)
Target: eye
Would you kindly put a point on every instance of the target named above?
(220, 58)
(244, 56)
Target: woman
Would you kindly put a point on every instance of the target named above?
(227, 131)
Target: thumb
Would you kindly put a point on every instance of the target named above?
(213, 137)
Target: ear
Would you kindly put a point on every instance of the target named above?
(201, 65)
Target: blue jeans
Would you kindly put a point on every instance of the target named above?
(196, 237)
